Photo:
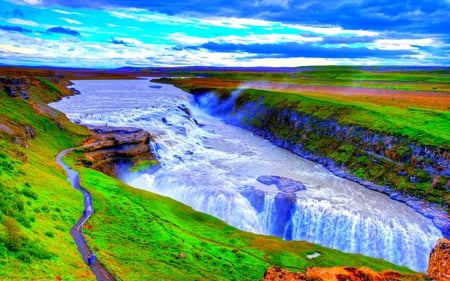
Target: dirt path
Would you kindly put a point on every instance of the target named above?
(97, 268)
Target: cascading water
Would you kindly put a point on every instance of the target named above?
(248, 182)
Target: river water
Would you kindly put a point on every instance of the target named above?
(214, 167)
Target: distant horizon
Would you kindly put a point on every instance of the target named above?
(369, 67)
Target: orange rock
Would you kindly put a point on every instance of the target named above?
(338, 274)
(112, 146)
(275, 273)
(439, 265)
(343, 273)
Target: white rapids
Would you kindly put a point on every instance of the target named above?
(213, 167)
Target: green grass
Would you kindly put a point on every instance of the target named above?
(425, 126)
(137, 233)
(429, 80)
(53, 92)
(144, 165)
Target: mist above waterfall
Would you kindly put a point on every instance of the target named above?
(212, 104)
(214, 167)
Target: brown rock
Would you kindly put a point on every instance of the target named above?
(16, 86)
(275, 273)
(439, 265)
(338, 274)
(342, 273)
(18, 133)
(111, 146)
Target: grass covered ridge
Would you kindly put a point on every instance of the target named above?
(424, 126)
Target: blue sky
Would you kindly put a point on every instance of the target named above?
(109, 34)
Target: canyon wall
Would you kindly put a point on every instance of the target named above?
(404, 170)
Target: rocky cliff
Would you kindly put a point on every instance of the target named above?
(18, 133)
(19, 86)
(439, 265)
(109, 148)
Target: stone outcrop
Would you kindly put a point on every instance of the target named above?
(283, 204)
(285, 185)
(18, 133)
(16, 86)
(439, 265)
(275, 273)
(111, 147)
(338, 274)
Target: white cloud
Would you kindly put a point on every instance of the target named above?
(333, 30)
(66, 12)
(33, 2)
(402, 44)
(22, 22)
(187, 40)
(123, 15)
(279, 3)
(127, 41)
(71, 21)
(17, 50)
(28, 2)
(237, 23)
(272, 38)
(145, 16)
(72, 52)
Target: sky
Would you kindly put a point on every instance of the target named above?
(277, 33)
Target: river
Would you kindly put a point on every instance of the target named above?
(229, 172)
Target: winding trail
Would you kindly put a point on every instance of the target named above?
(100, 271)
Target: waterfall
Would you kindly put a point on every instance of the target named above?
(248, 182)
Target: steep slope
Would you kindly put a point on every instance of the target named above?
(37, 205)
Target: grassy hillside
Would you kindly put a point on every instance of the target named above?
(135, 233)
(37, 205)
(425, 126)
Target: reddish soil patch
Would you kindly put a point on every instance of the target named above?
(397, 98)
(389, 97)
